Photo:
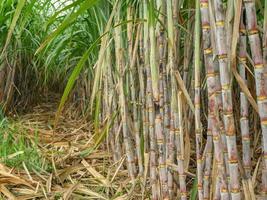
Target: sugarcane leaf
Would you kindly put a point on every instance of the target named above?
(78, 68)
(54, 17)
(71, 81)
(193, 193)
(152, 14)
(97, 112)
(65, 24)
(184, 90)
(104, 44)
(16, 15)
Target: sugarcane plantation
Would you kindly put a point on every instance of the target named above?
(133, 99)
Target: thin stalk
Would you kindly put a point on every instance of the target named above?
(198, 128)
(145, 59)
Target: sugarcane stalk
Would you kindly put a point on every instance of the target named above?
(171, 139)
(260, 78)
(107, 100)
(132, 59)
(136, 125)
(265, 35)
(143, 111)
(180, 147)
(166, 124)
(170, 35)
(219, 157)
(126, 134)
(162, 155)
(217, 192)
(198, 128)
(171, 144)
(208, 164)
(219, 102)
(144, 61)
(123, 109)
(152, 94)
(187, 50)
(153, 144)
(264, 40)
(159, 125)
(153, 64)
(144, 65)
(117, 135)
(227, 99)
(177, 32)
(214, 89)
(228, 23)
(130, 32)
(166, 95)
(244, 122)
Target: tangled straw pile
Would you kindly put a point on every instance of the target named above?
(180, 88)
(56, 164)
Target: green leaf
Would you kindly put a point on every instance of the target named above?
(193, 192)
(79, 67)
(75, 73)
(17, 13)
(54, 17)
(65, 24)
